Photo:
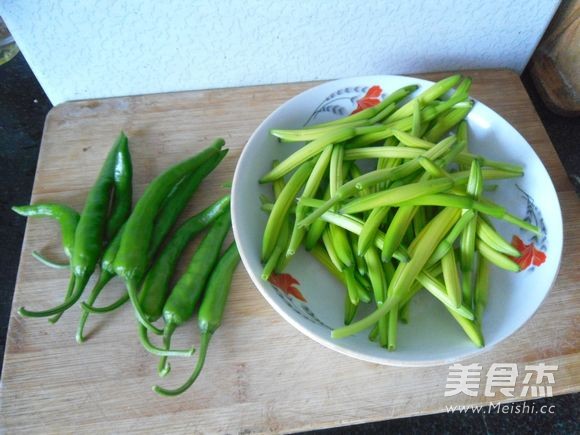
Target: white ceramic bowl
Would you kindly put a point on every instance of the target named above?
(432, 335)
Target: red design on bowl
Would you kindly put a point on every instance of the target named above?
(530, 254)
(370, 99)
(286, 283)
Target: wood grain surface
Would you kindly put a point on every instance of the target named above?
(261, 374)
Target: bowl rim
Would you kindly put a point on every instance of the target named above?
(328, 342)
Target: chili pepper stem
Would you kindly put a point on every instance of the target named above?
(50, 263)
(104, 278)
(69, 290)
(151, 348)
(108, 308)
(164, 367)
(132, 291)
(69, 302)
(204, 343)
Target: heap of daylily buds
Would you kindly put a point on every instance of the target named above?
(417, 220)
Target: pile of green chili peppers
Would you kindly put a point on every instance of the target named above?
(394, 230)
(132, 244)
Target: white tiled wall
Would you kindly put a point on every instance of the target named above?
(99, 48)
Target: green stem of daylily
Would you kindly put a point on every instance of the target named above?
(447, 121)
(308, 151)
(370, 228)
(314, 132)
(372, 112)
(437, 289)
(489, 235)
(451, 278)
(416, 129)
(406, 272)
(481, 288)
(351, 285)
(467, 245)
(462, 158)
(310, 189)
(432, 93)
(447, 243)
(282, 207)
(379, 286)
(396, 231)
(354, 225)
(322, 256)
(375, 177)
(397, 195)
(497, 258)
(331, 250)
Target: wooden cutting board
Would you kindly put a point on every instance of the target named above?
(261, 374)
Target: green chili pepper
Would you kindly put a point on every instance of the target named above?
(105, 275)
(88, 238)
(160, 273)
(179, 307)
(184, 297)
(64, 215)
(210, 312)
(123, 192)
(178, 200)
(172, 207)
(120, 210)
(132, 259)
